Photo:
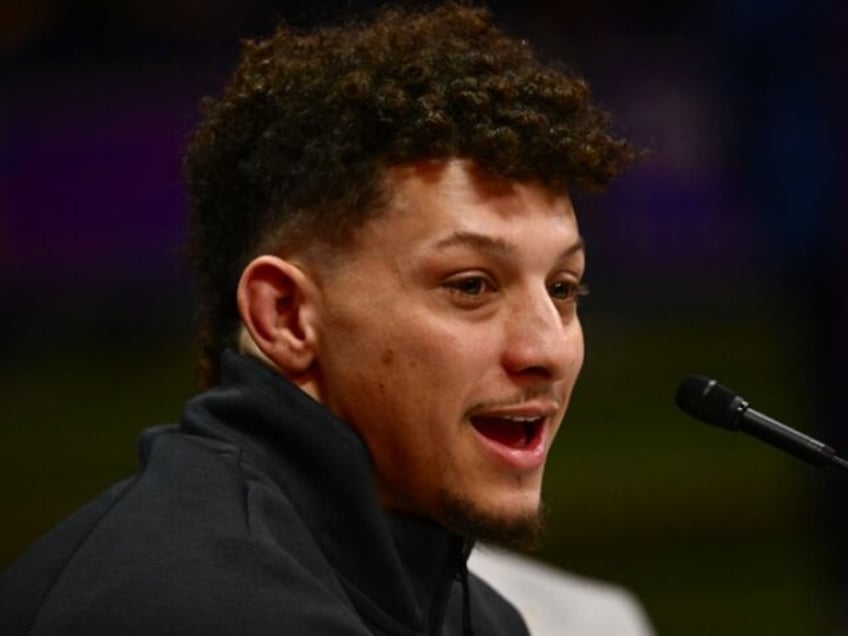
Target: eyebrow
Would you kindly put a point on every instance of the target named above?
(497, 245)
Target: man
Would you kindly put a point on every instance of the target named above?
(389, 265)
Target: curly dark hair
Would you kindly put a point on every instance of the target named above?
(297, 146)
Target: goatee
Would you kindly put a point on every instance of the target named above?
(519, 531)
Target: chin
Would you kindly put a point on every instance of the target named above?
(515, 523)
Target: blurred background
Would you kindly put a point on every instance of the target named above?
(723, 254)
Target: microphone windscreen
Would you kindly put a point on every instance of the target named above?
(709, 401)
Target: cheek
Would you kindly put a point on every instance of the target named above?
(387, 357)
(439, 358)
(579, 351)
(425, 379)
(399, 362)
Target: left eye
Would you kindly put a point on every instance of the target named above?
(566, 290)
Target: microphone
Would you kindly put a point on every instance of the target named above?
(707, 400)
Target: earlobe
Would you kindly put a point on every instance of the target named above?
(274, 297)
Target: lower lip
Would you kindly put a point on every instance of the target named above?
(524, 459)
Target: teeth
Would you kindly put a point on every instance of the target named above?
(519, 418)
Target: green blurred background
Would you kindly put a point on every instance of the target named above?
(721, 254)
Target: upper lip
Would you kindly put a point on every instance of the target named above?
(527, 411)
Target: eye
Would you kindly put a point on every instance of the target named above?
(566, 290)
(470, 285)
(470, 290)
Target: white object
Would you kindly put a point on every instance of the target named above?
(557, 603)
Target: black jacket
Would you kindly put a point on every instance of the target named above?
(255, 515)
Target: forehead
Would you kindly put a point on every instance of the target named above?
(457, 196)
(459, 181)
(435, 206)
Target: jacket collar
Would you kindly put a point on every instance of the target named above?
(397, 570)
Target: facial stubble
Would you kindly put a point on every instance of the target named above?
(463, 515)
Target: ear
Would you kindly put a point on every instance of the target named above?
(275, 300)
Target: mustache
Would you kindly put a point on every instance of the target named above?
(535, 392)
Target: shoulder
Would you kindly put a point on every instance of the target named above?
(161, 555)
(556, 602)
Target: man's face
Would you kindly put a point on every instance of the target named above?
(449, 339)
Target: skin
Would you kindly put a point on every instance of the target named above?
(455, 306)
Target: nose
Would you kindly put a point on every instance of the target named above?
(542, 341)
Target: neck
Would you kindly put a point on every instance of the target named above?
(306, 382)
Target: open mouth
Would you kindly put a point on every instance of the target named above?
(518, 433)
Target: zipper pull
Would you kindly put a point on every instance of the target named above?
(462, 577)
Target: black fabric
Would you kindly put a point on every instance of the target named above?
(254, 515)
